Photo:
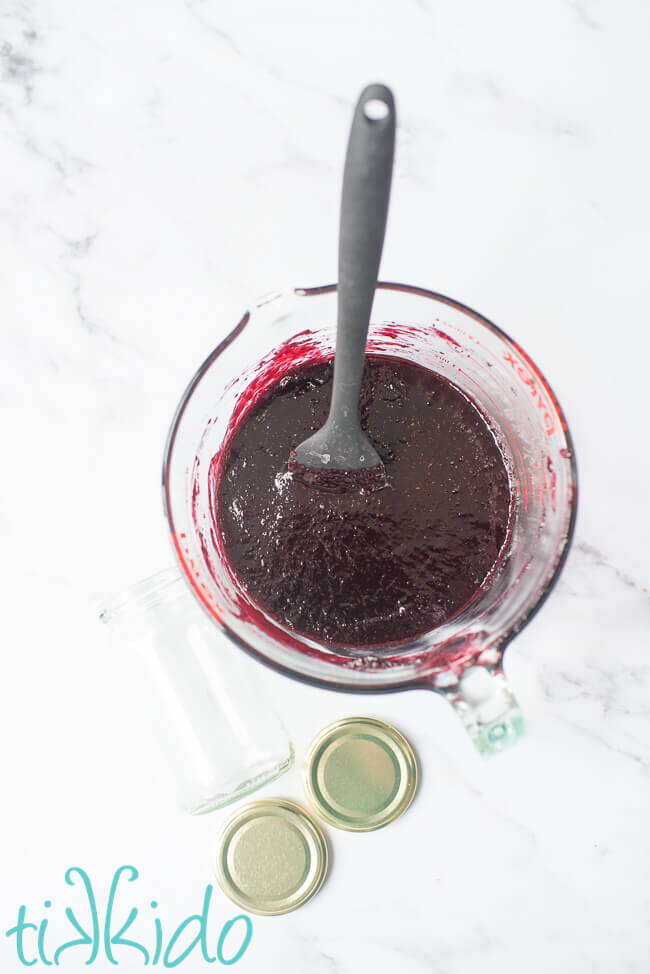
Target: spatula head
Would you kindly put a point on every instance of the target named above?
(338, 460)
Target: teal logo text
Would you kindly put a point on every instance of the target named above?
(123, 934)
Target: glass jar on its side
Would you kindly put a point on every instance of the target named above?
(218, 730)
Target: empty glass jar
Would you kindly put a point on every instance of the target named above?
(213, 719)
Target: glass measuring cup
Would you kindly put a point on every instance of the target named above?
(461, 659)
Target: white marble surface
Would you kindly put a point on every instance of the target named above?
(164, 163)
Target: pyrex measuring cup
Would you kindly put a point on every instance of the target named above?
(461, 659)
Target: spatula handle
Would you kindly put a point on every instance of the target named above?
(364, 207)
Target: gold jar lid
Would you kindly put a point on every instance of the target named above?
(272, 857)
(360, 774)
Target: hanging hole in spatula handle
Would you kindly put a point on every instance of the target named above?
(377, 102)
(375, 109)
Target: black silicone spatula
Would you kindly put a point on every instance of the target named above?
(340, 456)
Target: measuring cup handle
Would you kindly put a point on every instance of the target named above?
(486, 705)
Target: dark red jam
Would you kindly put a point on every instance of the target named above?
(365, 568)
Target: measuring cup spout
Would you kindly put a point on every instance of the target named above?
(486, 705)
